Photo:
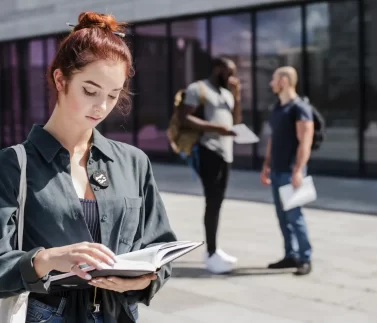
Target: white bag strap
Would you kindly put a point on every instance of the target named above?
(22, 160)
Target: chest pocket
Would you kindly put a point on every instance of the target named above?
(130, 229)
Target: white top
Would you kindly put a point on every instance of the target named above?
(218, 108)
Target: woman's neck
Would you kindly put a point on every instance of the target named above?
(74, 140)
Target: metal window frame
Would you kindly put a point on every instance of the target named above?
(362, 90)
(252, 10)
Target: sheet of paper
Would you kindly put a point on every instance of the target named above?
(244, 135)
(291, 197)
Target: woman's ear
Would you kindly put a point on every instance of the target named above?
(59, 79)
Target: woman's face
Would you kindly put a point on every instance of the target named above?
(92, 92)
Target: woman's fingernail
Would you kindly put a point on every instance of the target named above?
(100, 266)
(110, 279)
(88, 277)
(111, 263)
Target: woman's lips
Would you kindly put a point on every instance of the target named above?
(93, 118)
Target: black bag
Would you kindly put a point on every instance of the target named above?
(319, 125)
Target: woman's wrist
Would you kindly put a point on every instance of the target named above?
(42, 263)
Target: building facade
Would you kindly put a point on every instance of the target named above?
(330, 43)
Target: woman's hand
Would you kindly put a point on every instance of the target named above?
(68, 258)
(122, 285)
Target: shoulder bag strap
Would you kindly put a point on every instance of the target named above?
(22, 160)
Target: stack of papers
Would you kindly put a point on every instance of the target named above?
(244, 135)
(293, 197)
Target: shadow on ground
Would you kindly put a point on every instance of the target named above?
(200, 273)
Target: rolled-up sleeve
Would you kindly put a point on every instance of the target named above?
(303, 112)
(17, 273)
(156, 230)
(192, 97)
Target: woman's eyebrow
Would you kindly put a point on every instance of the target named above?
(99, 86)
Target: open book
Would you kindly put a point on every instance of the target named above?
(132, 264)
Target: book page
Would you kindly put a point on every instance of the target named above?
(291, 197)
(244, 135)
(150, 254)
(123, 266)
(146, 255)
(167, 255)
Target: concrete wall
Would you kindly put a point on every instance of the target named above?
(28, 18)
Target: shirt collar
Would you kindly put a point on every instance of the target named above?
(102, 144)
(44, 142)
(49, 146)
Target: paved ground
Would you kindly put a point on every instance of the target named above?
(334, 193)
(342, 287)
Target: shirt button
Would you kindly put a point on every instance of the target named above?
(96, 188)
(104, 218)
(91, 161)
(77, 215)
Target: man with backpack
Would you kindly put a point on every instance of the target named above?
(210, 108)
(287, 154)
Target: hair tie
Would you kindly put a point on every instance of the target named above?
(123, 35)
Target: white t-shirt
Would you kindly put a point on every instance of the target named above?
(218, 108)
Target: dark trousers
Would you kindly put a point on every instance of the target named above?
(214, 173)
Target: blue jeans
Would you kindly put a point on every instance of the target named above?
(292, 223)
(39, 312)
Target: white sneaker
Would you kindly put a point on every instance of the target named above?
(223, 255)
(227, 257)
(217, 265)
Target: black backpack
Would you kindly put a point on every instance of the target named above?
(319, 125)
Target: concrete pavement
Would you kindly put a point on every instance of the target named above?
(334, 193)
(341, 288)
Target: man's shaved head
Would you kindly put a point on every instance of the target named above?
(290, 73)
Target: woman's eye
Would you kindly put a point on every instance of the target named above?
(112, 97)
(89, 93)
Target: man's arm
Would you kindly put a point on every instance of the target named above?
(237, 112)
(267, 157)
(190, 121)
(264, 178)
(304, 133)
(234, 86)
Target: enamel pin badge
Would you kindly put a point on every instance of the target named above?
(101, 179)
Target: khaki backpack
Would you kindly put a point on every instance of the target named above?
(182, 140)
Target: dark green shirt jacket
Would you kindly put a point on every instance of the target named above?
(132, 215)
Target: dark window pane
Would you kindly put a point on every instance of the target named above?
(190, 58)
(7, 129)
(151, 64)
(51, 49)
(279, 35)
(334, 77)
(231, 37)
(370, 132)
(119, 124)
(51, 44)
(36, 84)
(15, 94)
